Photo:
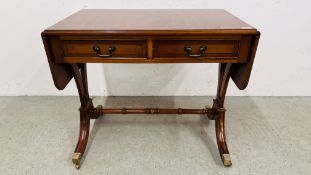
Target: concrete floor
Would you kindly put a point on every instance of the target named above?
(266, 135)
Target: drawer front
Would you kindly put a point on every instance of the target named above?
(110, 49)
(199, 49)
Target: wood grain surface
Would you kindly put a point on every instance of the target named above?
(146, 21)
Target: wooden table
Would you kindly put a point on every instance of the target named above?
(150, 36)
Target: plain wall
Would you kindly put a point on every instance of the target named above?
(282, 65)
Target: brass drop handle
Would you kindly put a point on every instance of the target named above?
(111, 49)
(202, 50)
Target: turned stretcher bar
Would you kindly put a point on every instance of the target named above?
(178, 111)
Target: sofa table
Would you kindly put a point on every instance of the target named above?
(150, 36)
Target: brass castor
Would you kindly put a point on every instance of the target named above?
(76, 159)
(226, 160)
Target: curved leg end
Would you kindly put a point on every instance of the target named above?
(221, 138)
(83, 138)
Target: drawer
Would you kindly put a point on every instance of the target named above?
(110, 49)
(198, 49)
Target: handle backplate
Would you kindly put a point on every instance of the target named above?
(111, 49)
(202, 50)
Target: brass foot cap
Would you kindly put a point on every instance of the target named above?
(226, 160)
(76, 158)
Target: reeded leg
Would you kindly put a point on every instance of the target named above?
(87, 111)
(83, 138)
(221, 138)
(80, 77)
(219, 116)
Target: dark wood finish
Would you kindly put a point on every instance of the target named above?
(61, 73)
(223, 80)
(151, 22)
(150, 36)
(179, 111)
(241, 72)
(123, 48)
(174, 49)
(80, 75)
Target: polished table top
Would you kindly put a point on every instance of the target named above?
(115, 21)
(162, 36)
(150, 36)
